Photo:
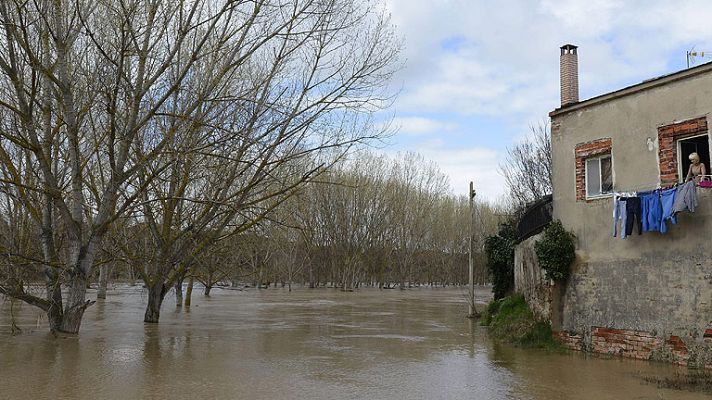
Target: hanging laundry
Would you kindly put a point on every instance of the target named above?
(651, 210)
(619, 212)
(667, 199)
(686, 198)
(633, 215)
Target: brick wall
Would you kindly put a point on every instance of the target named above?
(640, 345)
(667, 149)
(570, 340)
(623, 342)
(584, 151)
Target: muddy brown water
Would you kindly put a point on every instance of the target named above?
(307, 344)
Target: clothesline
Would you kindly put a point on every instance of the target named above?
(651, 210)
(648, 188)
(641, 189)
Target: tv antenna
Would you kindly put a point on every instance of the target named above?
(692, 53)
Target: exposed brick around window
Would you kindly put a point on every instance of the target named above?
(584, 151)
(667, 150)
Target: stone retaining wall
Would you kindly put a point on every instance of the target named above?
(530, 279)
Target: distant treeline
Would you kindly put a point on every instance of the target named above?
(371, 221)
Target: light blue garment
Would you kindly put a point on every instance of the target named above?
(667, 199)
(619, 212)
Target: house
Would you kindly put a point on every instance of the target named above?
(647, 296)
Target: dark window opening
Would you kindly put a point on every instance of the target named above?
(697, 144)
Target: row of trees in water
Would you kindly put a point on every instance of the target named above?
(207, 140)
(373, 221)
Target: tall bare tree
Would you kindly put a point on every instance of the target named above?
(527, 168)
(109, 107)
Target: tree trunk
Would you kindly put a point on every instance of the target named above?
(156, 294)
(179, 292)
(55, 314)
(207, 290)
(76, 305)
(189, 292)
(132, 276)
(104, 271)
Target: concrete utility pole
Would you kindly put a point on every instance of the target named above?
(472, 312)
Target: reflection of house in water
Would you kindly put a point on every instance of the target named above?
(645, 296)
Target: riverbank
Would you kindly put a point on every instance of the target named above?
(511, 320)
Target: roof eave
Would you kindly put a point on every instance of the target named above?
(639, 87)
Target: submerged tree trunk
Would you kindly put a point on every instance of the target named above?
(156, 294)
(55, 314)
(75, 306)
(179, 292)
(104, 271)
(189, 292)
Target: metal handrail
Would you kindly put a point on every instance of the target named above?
(535, 218)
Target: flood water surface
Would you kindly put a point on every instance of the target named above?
(307, 344)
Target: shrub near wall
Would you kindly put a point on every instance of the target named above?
(500, 260)
(556, 251)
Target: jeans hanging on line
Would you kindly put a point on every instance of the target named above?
(633, 215)
(619, 212)
(667, 199)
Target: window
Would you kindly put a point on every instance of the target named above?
(696, 144)
(594, 171)
(675, 143)
(599, 176)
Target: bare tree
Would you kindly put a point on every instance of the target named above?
(128, 106)
(527, 169)
(82, 84)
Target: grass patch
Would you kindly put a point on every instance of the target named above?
(511, 320)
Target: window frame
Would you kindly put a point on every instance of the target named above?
(600, 177)
(681, 175)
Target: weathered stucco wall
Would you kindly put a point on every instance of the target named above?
(649, 285)
(530, 280)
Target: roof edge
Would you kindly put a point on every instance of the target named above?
(638, 87)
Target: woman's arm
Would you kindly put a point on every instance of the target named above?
(704, 171)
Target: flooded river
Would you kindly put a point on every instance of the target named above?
(307, 344)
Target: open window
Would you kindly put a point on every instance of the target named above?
(697, 144)
(599, 176)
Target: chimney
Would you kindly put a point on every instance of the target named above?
(569, 75)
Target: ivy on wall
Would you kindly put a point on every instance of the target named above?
(500, 260)
(556, 251)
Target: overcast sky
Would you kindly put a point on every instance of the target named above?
(478, 73)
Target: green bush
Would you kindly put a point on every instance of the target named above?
(556, 251)
(500, 260)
